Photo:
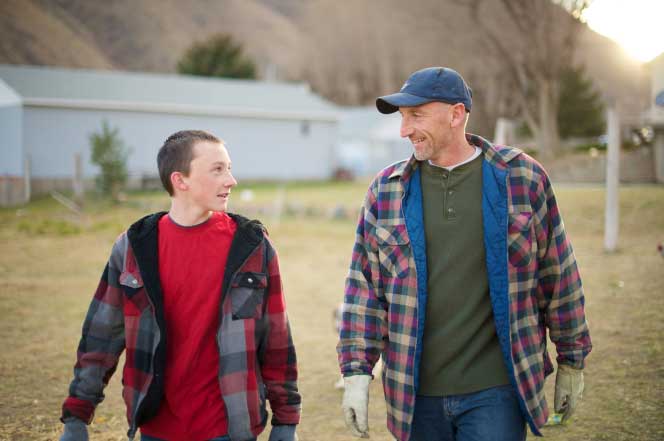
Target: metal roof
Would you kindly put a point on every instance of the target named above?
(7, 95)
(147, 92)
(368, 123)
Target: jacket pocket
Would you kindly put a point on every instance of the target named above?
(135, 300)
(262, 389)
(247, 295)
(519, 240)
(393, 250)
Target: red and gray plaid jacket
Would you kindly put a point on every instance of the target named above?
(534, 283)
(257, 356)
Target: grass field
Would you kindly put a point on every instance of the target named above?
(51, 260)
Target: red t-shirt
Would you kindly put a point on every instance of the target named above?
(191, 270)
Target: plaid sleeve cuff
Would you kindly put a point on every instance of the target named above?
(84, 410)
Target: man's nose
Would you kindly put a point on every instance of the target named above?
(406, 128)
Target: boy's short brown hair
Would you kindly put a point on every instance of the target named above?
(177, 152)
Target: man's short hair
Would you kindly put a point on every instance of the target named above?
(177, 152)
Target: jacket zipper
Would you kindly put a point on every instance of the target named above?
(133, 429)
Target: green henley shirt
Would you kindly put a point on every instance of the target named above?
(460, 353)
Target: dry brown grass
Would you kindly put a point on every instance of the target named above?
(47, 277)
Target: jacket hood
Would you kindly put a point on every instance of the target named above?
(251, 229)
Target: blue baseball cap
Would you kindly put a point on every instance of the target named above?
(428, 85)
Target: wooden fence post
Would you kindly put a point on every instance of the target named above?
(27, 179)
(78, 179)
(611, 215)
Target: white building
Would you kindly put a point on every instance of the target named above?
(274, 131)
(655, 115)
(369, 141)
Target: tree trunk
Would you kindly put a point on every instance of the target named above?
(548, 139)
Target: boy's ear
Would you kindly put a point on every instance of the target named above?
(178, 181)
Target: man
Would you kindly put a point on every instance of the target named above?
(195, 297)
(461, 264)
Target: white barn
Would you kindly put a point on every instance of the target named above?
(274, 131)
(11, 156)
(655, 115)
(369, 141)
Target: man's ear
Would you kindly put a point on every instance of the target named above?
(458, 115)
(179, 182)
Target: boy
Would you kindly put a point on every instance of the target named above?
(195, 297)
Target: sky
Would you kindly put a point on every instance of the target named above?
(637, 25)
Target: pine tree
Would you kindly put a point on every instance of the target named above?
(219, 56)
(581, 111)
(110, 154)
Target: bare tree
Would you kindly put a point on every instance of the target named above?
(358, 53)
(533, 41)
(351, 58)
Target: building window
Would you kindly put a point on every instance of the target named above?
(305, 128)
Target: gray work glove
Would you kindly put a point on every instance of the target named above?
(75, 430)
(356, 404)
(569, 390)
(283, 433)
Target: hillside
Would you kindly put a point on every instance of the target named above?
(347, 54)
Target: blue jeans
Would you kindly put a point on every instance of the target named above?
(150, 438)
(488, 415)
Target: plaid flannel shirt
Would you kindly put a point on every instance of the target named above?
(257, 356)
(533, 281)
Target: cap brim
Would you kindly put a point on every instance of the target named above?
(391, 103)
